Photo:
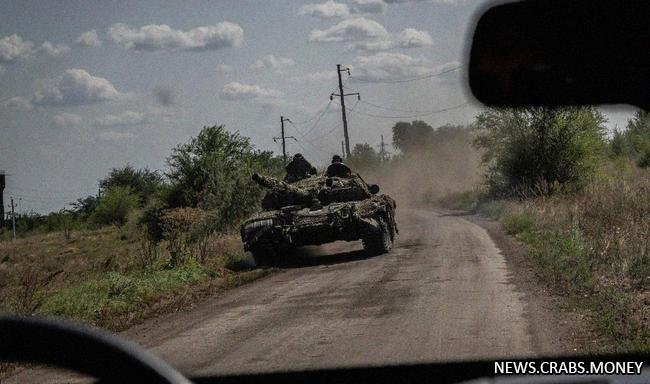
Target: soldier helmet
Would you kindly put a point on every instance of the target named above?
(297, 156)
(337, 159)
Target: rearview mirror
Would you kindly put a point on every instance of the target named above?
(558, 52)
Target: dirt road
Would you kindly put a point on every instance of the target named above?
(446, 292)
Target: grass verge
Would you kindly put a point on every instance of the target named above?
(97, 277)
(592, 248)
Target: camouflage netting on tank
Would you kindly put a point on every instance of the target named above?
(311, 182)
(318, 189)
(369, 206)
(310, 219)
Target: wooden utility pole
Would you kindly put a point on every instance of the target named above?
(342, 149)
(2, 203)
(283, 138)
(13, 219)
(342, 95)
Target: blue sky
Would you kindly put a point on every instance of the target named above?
(91, 85)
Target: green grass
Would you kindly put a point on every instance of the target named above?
(590, 246)
(116, 292)
(563, 258)
(97, 277)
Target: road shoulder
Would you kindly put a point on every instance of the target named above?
(554, 326)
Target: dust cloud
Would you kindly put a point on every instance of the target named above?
(426, 175)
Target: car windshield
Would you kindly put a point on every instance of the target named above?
(254, 186)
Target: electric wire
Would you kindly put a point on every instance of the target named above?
(362, 80)
(410, 116)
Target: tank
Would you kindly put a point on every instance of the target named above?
(315, 211)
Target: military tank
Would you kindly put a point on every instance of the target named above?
(318, 210)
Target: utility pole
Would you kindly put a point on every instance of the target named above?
(13, 218)
(284, 144)
(382, 149)
(2, 204)
(342, 149)
(342, 95)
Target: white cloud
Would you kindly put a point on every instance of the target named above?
(350, 30)
(225, 68)
(14, 47)
(326, 10)
(155, 37)
(408, 38)
(76, 87)
(369, 35)
(67, 119)
(239, 91)
(368, 6)
(50, 49)
(89, 39)
(127, 118)
(315, 76)
(394, 66)
(273, 63)
(412, 38)
(18, 104)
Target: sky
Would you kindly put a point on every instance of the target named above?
(86, 86)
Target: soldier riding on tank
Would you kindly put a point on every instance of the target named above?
(298, 169)
(338, 168)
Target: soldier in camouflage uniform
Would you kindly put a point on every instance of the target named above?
(338, 168)
(298, 169)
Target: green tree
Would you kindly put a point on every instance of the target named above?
(364, 156)
(84, 207)
(617, 144)
(534, 150)
(636, 138)
(213, 171)
(412, 137)
(144, 182)
(114, 206)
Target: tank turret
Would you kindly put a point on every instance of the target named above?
(281, 193)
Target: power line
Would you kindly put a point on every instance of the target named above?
(298, 130)
(317, 120)
(393, 109)
(325, 106)
(324, 135)
(411, 116)
(309, 142)
(405, 80)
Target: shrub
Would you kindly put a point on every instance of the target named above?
(538, 150)
(518, 223)
(150, 219)
(115, 205)
(213, 171)
(142, 182)
(183, 229)
(28, 293)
